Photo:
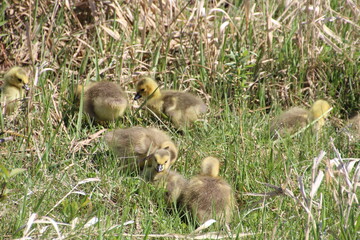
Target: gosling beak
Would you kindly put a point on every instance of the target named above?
(159, 168)
(26, 87)
(137, 96)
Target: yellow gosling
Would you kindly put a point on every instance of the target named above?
(295, 118)
(181, 107)
(15, 82)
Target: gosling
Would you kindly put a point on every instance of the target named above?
(15, 82)
(208, 195)
(181, 107)
(157, 164)
(139, 142)
(295, 118)
(103, 101)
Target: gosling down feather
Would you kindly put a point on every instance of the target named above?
(139, 142)
(15, 82)
(181, 107)
(174, 184)
(103, 101)
(208, 195)
(295, 118)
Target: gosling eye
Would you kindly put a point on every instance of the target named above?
(19, 79)
(166, 161)
(142, 90)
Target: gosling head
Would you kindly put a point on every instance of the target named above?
(319, 109)
(161, 160)
(146, 87)
(210, 167)
(170, 146)
(17, 77)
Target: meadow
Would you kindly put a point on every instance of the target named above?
(248, 60)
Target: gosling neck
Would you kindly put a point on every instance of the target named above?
(7, 84)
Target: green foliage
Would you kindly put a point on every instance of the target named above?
(73, 209)
(6, 175)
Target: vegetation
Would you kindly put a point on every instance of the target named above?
(247, 59)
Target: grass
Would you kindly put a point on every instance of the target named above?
(247, 61)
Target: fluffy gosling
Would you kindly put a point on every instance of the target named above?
(139, 142)
(103, 101)
(15, 82)
(181, 107)
(208, 195)
(295, 118)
